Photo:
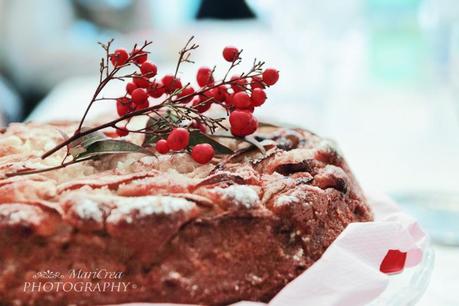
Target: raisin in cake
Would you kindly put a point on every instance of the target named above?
(239, 228)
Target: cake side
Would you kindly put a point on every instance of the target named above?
(239, 228)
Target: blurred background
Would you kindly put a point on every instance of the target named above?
(379, 76)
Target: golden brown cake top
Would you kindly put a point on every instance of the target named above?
(127, 187)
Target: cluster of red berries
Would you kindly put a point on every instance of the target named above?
(142, 87)
(240, 96)
(179, 139)
(137, 91)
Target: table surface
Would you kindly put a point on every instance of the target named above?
(443, 286)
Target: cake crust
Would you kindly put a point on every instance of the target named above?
(239, 228)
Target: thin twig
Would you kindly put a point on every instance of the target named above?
(233, 64)
(137, 113)
(184, 54)
(172, 102)
(61, 166)
(109, 76)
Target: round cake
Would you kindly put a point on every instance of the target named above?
(138, 228)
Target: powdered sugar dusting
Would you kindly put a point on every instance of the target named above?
(240, 194)
(146, 206)
(88, 210)
(298, 256)
(335, 171)
(328, 145)
(285, 200)
(20, 214)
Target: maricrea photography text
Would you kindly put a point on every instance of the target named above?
(77, 280)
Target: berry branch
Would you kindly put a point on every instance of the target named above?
(185, 53)
(119, 59)
(233, 55)
(37, 171)
(177, 115)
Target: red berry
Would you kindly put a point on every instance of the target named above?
(242, 123)
(156, 90)
(171, 83)
(143, 105)
(177, 84)
(122, 131)
(199, 126)
(241, 100)
(202, 103)
(237, 84)
(178, 139)
(162, 147)
(218, 93)
(204, 76)
(119, 57)
(148, 69)
(139, 56)
(130, 87)
(141, 81)
(207, 96)
(270, 76)
(249, 109)
(257, 82)
(258, 97)
(167, 80)
(230, 54)
(139, 96)
(202, 153)
(229, 99)
(122, 106)
(187, 91)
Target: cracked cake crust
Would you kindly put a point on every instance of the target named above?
(239, 228)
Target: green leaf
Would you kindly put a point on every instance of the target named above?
(197, 137)
(158, 123)
(79, 146)
(151, 138)
(267, 124)
(250, 139)
(111, 146)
